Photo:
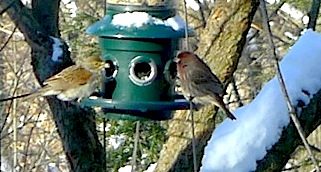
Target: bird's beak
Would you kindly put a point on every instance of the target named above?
(176, 60)
(107, 65)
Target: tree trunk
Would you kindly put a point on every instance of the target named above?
(76, 126)
(221, 45)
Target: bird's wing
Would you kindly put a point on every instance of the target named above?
(208, 81)
(70, 77)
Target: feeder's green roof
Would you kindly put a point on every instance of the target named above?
(159, 28)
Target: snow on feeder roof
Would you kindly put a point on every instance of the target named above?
(136, 22)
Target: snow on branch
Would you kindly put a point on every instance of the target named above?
(238, 145)
(57, 51)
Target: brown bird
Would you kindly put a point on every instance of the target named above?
(199, 83)
(74, 82)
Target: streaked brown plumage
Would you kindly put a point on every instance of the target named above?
(74, 82)
(199, 82)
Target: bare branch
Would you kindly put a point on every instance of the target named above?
(290, 107)
(5, 8)
(313, 14)
(9, 38)
(9, 32)
(201, 11)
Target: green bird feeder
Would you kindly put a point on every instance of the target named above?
(139, 42)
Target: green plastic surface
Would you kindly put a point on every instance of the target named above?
(127, 47)
(137, 110)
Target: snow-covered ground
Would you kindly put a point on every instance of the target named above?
(237, 145)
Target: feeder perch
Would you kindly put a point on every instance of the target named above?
(140, 82)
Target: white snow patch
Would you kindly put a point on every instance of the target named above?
(305, 19)
(127, 168)
(133, 19)
(290, 35)
(71, 6)
(100, 127)
(116, 140)
(194, 5)
(151, 168)
(175, 22)
(272, 1)
(139, 19)
(5, 165)
(52, 167)
(237, 145)
(57, 51)
(292, 11)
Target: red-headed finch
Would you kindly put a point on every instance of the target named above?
(199, 83)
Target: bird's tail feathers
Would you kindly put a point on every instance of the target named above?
(15, 97)
(44, 91)
(228, 113)
(219, 102)
(31, 95)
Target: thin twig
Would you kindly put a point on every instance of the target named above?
(14, 114)
(186, 26)
(278, 7)
(193, 136)
(15, 89)
(236, 92)
(314, 148)
(9, 38)
(27, 146)
(190, 101)
(134, 156)
(9, 32)
(283, 88)
(201, 11)
(104, 141)
(105, 120)
(105, 8)
(6, 8)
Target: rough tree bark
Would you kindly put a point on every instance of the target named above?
(221, 45)
(76, 126)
